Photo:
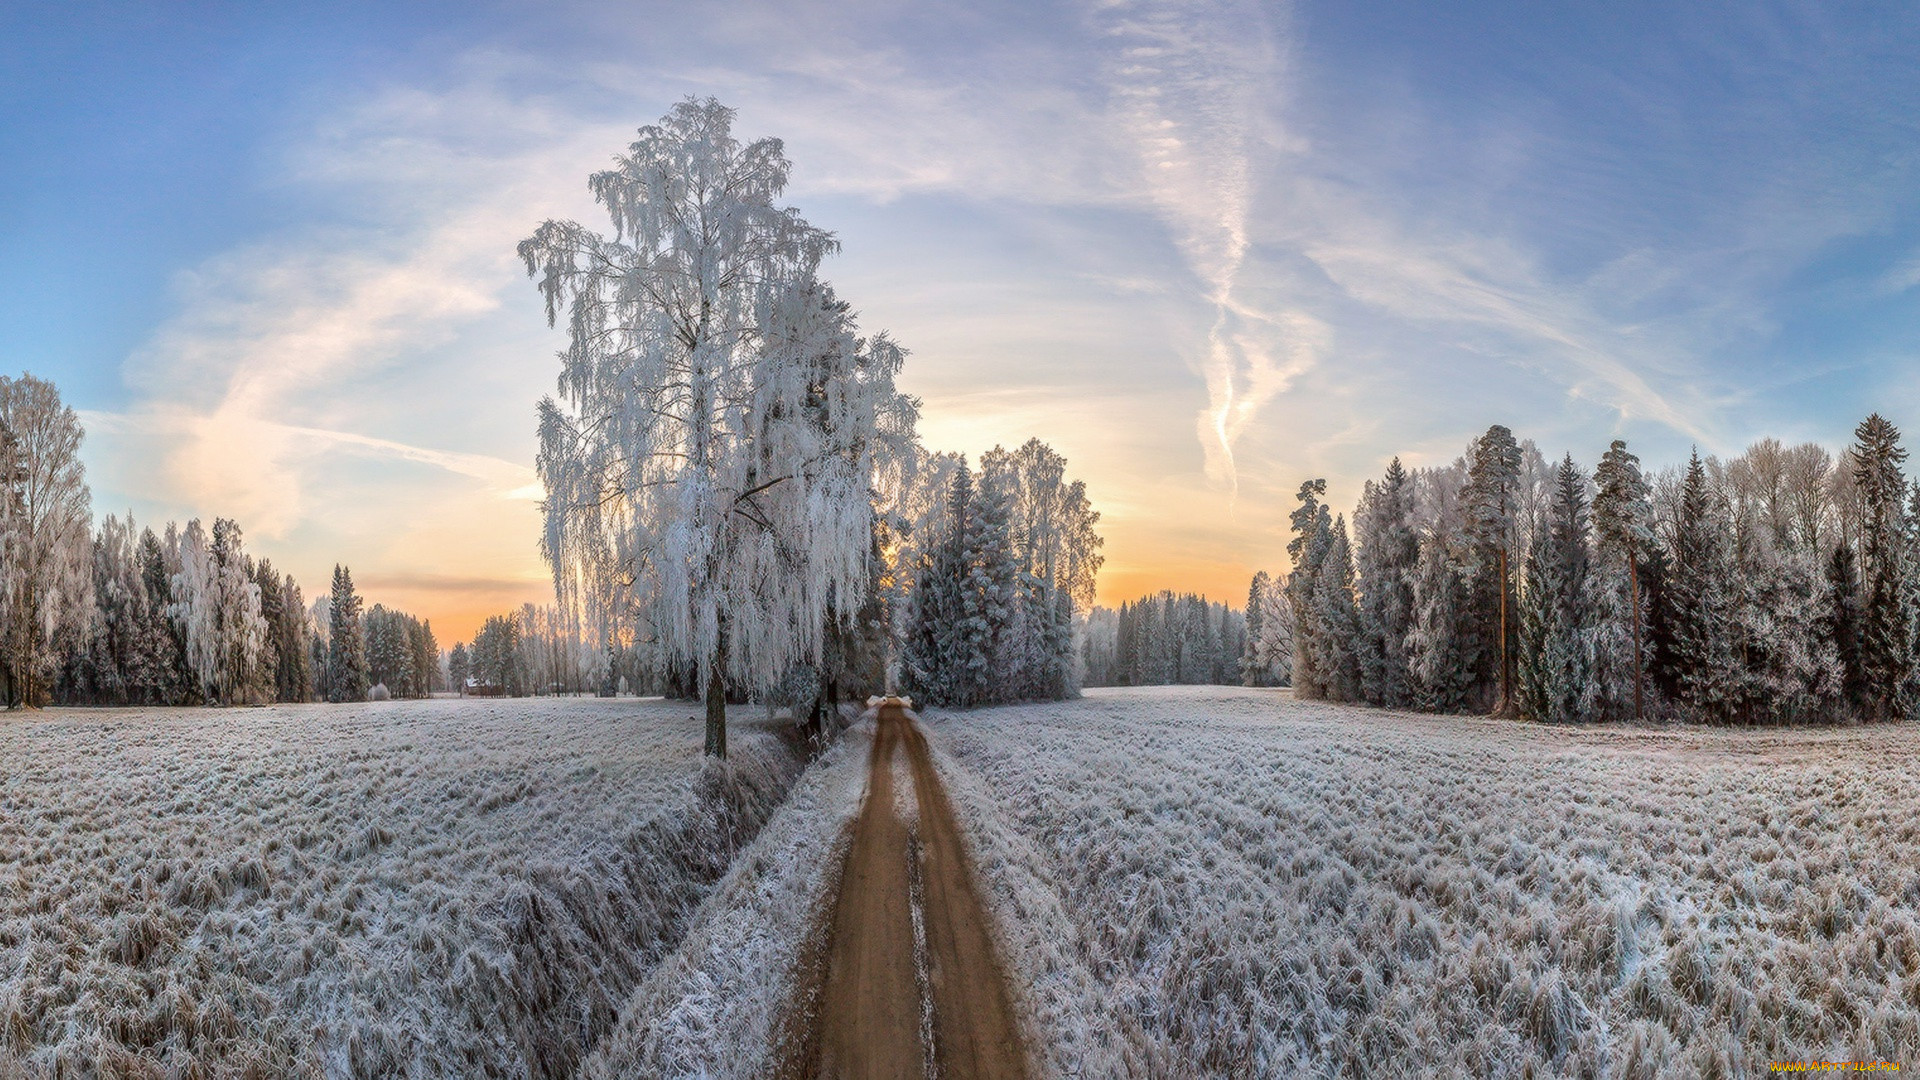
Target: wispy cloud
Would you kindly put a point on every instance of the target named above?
(1195, 87)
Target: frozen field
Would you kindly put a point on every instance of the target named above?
(1223, 882)
(459, 888)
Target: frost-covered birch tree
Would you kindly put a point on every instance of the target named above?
(709, 458)
(46, 544)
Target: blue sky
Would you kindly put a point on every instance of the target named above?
(1206, 249)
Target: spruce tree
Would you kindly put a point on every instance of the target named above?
(1560, 665)
(987, 592)
(457, 668)
(1256, 601)
(1886, 642)
(346, 642)
(1843, 623)
(1338, 620)
(1701, 601)
(1389, 557)
(1311, 541)
(933, 655)
(1622, 534)
(1490, 497)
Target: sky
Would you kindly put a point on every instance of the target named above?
(1207, 250)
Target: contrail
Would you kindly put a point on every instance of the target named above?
(1189, 84)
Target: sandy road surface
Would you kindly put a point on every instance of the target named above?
(875, 981)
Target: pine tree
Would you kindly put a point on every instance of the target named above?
(934, 667)
(1700, 586)
(1443, 648)
(1843, 624)
(167, 642)
(987, 591)
(457, 669)
(293, 680)
(346, 642)
(1491, 498)
(1389, 556)
(1337, 620)
(1622, 533)
(1559, 666)
(1308, 547)
(1886, 644)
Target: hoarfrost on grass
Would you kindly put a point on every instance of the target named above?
(1225, 882)
(717, 1005)
(449, 887)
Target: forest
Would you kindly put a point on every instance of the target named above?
(1780, 586)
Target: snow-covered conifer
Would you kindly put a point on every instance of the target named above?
(1491, 500)
(1886, 622)
(1337, 620)
(346, 642)
(1622, 535)
(1558, 686)
(1700, 586)
(457, 668)
(1312, 539)
(1387, 561)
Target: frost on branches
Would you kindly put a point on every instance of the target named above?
(710, 458)
(46, 518)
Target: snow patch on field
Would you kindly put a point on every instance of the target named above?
(1225, 882)
(449, 887)
(715, 1006)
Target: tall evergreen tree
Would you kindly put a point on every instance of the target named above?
(1388, 561)
(1491, 498)
(934, 667)
(1700, 587)
(457, 669)
(987, 590)
(1308, 547)
(1337, 620)
(346, 642)
(1444, 648)
(1843, 623)
(1622, 533)
(1559, 663)
(1886, 643)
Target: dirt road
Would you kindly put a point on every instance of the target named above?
(908, 984)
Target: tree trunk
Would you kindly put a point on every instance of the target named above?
(717, 698)
(1506, 685)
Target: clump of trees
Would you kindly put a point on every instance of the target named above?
(734, 483)
(1003, 564)
(126, 615)
(1165, 639)
(1777, 587)
(538, 650)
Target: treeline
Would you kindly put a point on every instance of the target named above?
(126, 615)
(377, 653)
(1165, 639)
(187, 616)
(537, 650)
(1000, 561)
(1780, 586)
